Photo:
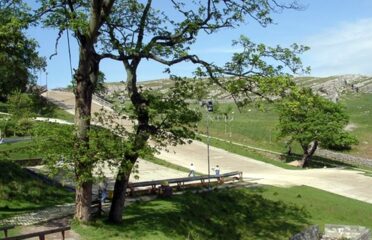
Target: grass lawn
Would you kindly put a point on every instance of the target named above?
(17, 150)
(359, 108)
(249, 126)
(19, 192)
(323, 207)
(259, 213)
(258, 128)
(59, 114)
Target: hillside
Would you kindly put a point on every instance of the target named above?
(332, 87)
(353, 91)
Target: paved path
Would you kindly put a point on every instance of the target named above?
(348, 183)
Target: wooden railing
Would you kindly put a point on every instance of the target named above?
(40, 234)
(5, 229)
(180, 182)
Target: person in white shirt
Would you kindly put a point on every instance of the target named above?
(192, 170)
(217, 170)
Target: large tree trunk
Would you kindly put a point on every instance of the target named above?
(85, 77)
(142, 134)
(118, 198)
(83, 199)
(309, 151)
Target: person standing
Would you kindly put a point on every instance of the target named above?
(192, 170)
(102, 190)
(217, 170)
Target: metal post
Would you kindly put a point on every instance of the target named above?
(209, 167)
(46, 82)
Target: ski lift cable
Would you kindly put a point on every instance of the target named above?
(69, 52)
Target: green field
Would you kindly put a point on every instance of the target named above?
(18, 150)
(257, 128)
(359, 108)
(255, 213)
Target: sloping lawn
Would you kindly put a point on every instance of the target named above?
(19, 192)
(259, 213)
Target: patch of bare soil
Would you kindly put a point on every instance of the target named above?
(294, 163)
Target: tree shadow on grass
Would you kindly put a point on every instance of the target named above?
(225, 214)
(316, 161)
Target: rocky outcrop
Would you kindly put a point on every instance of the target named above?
(333, 87)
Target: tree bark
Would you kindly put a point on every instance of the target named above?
(308, 153)
(85, 77)
(83, 200)
(118, 199)
(141, 135)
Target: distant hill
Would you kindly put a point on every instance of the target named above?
(332, 87)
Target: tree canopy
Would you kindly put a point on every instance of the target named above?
(19, 58)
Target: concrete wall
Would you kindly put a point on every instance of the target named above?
(346, 158)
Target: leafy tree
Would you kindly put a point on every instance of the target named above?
(131, 31)
(55, 142)
(312, 120)
(21, 105)
(85, 19)
(18, 55)
(138, 31)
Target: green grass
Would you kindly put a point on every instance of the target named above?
(50, 110)
(250, 126)
(359, 108)
(60, 114)
(232, 214)
(257, 213)
(18, 150)
(258, 128)
(323, 207)
(44, 108)
(20, 192)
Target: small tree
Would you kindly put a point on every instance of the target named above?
(21, 106)
(311, 120)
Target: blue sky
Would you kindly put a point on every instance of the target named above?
(339, 33)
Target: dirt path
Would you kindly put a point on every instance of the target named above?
(347, 183)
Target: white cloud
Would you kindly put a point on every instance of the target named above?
(347, 48)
